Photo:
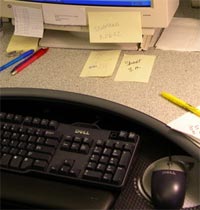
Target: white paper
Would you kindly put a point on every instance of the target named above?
(183, 34)
(188, 124)
(28, 21)
(63, 15)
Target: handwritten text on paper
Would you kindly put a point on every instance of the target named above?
(100, 63)
(135, 68)
(115, 27)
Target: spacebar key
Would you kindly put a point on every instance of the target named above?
(92, 175)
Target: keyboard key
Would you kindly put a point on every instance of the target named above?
(94, 158)
(132, 136)
(54, 169)
(31, 139)
(14, 128)
(107, 151)
(5, 142)
(9, 117)
(52, 134)
(40, 164)
(107, 177)
(22, 152)
(40, 140)
(26, 163)
(36, 121)
(15, 136)
(111, 169)
(23, 137)
(45, 149)
(15, 162)
(123, 135)
(104, 159)
(113, 161)
(125, 158)
(2, 116)
(51, 142)
(27, 120)
(97, 150)
(69, 162)
(64, 170)
(44, 123)
(88, 141)
(13, 151)
(75, 147)
(116, 153)
(101, 167)
(53, 124)
(7, 134)
(93, 175)
(18, 118)
(119, 175)
(91, 165)
(74, 172)
(84, 148)
(65, 146)
(40, 156)
(5, 159)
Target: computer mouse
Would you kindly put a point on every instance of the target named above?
(168, 185)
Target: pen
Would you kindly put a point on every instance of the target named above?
(181, 103)
(28, 61)
(17, 59)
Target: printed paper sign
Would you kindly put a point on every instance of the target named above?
(63, 14)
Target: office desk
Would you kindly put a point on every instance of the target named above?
(175, 72)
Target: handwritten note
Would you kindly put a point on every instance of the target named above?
(188, 124)
(28, 21)
(135, 68)
(100, 63)
(115, 27)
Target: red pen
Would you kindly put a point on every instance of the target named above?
(29, 60)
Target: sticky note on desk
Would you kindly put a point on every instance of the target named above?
(188, 124)
(115, 27)
(22, 43)
(135, 68)
(100, 63)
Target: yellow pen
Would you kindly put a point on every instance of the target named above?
(181, 103)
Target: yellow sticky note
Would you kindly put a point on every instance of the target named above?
(22, 43)
(115, 27)
(100, 63)
(135, 68)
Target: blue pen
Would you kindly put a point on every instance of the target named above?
(19, 58)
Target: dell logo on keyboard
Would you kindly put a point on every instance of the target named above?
(84, 132)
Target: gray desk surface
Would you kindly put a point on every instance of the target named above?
(175, 72)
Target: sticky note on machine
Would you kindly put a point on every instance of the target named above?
(100, 63)
(115, 27)
(22, 43)
(135, 68)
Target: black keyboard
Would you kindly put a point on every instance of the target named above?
(71, 153)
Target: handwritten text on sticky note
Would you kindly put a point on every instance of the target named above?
(115, 27)
(100, 63)
(135, 68)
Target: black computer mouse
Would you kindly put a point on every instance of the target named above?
(168, 185)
